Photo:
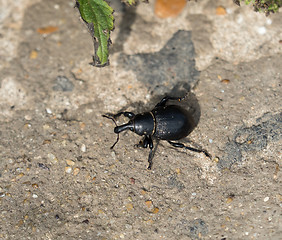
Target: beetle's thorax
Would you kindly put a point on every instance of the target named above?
(144, 124)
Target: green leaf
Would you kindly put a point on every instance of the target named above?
(98, 16)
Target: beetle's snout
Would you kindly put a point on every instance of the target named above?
(116, 130)
(127, 126)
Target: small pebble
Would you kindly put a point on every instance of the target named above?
(17, 177)
(129, 206)
(220, 10)
(226, 81)
(150, 221)
(63, 84)
(19, 169)
(143, 192)
(113, 154)
(11, 161)
(48, 110)
(68, 169)
(266, 199)
(70, 162)
(156, 210)
(82, 126)
(52, 157)
(76, 171)
(47, 141)
(65, 136)
(100, 212)
(34, 195)
(128, 226)
(132, 180)
(228, 10)
(46, 127)
(261, 30)
(27, 125)
(20, 223)
(275, 175)
(149, 204)
(33, 54)
(169, 8)
(83, 148)
(268, 21)
(47, 30)
(239, 19)
(27, 117)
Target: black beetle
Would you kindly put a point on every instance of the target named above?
(164, 122)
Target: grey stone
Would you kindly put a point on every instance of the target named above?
(63, 84)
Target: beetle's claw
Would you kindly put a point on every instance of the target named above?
(150, 164)
(207, 153)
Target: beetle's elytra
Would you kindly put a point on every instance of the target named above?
(164, 122)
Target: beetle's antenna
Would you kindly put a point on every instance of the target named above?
(112, 118)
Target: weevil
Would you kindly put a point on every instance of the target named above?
(164, 122)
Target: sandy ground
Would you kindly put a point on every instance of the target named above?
(59, 179)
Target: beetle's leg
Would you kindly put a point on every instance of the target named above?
(165, 99)
(148, 141)
(129, 115)
(144, 142)
(151, 155)
(181, 145)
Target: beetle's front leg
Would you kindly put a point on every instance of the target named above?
(147, 141)
(151, 155)
(165, 99)
(144, 142)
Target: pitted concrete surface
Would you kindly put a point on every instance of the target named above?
(59, 179)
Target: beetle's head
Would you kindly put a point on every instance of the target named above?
(127, 126)
(121, 128)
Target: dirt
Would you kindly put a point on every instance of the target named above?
(59, 179)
